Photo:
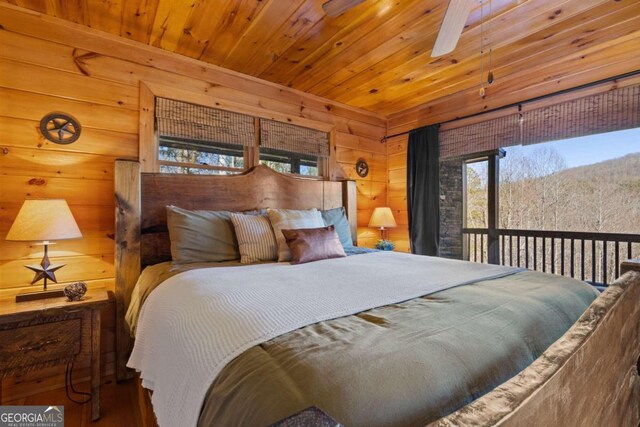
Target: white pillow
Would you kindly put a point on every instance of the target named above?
(290, 219)
(256, 241)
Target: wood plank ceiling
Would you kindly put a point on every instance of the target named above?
(377, 55)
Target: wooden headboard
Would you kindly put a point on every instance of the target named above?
(141, 223)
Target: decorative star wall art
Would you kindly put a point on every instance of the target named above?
(60, 128)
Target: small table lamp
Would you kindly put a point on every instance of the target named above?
(43, 220)
(383, 218)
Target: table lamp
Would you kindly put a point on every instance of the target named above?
(383, 218)
(43, 220)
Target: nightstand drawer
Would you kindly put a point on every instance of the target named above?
(27, 346)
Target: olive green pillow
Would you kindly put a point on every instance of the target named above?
(201, 236)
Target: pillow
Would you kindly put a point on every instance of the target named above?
(256, 240)
(201, 236)
(289, 219)
(338, 218)
(313, 244)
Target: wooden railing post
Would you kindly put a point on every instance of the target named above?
(493, 244)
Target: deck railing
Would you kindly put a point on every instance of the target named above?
(592, 257)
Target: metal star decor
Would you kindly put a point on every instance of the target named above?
(45, 270)
(60, 128)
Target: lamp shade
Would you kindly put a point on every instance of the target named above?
(382, 218)
(43, 220)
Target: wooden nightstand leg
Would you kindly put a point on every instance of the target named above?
(95, 364)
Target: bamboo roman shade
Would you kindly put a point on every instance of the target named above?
(479, 137)
(606, 112)
(184, 120)
(292, 138)
(610, 111)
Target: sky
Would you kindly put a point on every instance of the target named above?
(590, 149)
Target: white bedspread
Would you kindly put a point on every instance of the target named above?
(195, 323)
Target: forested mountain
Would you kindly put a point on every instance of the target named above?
(538, 192)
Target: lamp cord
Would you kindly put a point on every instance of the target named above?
(68, 383)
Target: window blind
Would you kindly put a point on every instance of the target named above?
(482, 136)
(292, 138)
(609, 111)
(184, 120)
(606, 112)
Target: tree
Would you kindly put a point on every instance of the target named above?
(476, 196)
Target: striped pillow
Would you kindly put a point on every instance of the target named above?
(256, 240)
(291, 219)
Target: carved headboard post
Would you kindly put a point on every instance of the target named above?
(142, 237)
(350, 203)
(127, 253)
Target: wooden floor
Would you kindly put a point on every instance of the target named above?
(118, 405)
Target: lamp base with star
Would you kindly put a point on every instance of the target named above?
(45, 270)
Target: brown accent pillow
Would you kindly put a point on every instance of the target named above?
(313, 244)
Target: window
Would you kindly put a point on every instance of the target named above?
(178, 155)
(195, 139)
(294, 149)
(589, 184)
(475, 193)
(288, 162)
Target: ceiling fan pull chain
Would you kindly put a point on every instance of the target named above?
(490, 34)
(482, 91)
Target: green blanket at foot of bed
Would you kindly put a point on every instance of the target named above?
(400, 365)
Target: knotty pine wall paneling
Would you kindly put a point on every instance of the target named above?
(52, 65)
(397, 190)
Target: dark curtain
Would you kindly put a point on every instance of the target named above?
(423, 190)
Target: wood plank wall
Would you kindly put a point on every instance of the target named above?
(397, 190)
(53, 65)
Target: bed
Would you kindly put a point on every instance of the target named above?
(583, 370)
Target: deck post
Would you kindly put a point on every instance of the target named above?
(493, 209)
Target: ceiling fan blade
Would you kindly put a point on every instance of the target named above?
(335, 8)
(452, 26)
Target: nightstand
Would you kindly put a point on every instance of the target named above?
(53, 331)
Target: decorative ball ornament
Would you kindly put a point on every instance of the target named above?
(75, 291)
(60, 128)
(362, 168)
